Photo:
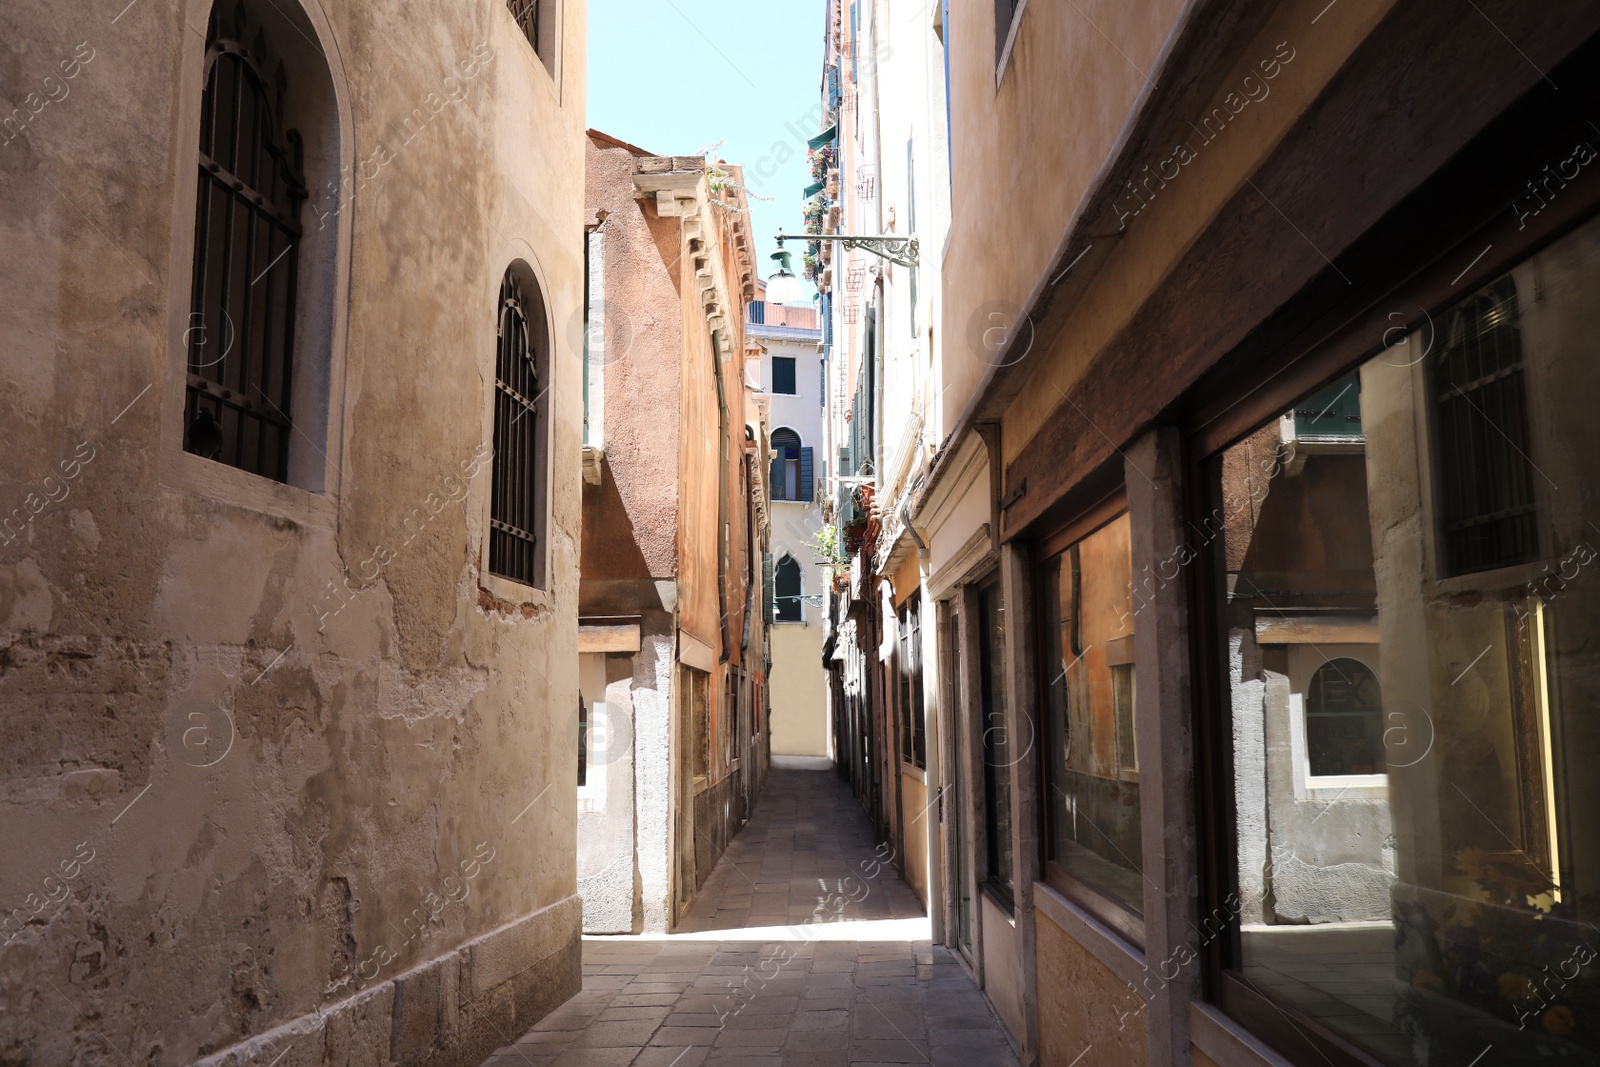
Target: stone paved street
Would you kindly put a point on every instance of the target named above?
(803, 948)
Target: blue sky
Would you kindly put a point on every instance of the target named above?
(673, 76)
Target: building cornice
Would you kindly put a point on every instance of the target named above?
(680, 189)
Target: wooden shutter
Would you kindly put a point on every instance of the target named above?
(805, 474)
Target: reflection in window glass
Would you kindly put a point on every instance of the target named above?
(1086, 620)
(1418, 609)
(997, 748)
(1344, 720)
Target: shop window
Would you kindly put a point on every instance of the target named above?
(998, 757)
(1087, 616)
(1415, 877)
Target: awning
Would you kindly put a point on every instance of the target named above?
(811, 190)
(824, 137)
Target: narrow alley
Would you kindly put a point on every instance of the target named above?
(835, 532)
(803, 947)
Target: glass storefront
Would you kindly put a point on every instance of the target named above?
(1411, 619)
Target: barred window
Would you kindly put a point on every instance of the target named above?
(516, 507)
(246, 258)
(526, 12)
(1487, 517)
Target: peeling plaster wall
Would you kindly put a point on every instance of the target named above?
(317, 840)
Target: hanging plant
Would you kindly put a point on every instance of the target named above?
(820, 160)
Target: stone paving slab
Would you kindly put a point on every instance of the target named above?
(805, 860)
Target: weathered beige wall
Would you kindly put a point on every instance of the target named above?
(1000, 946)
(1002, 155)
(376, 764)
(914, 816)
(631, 518)
(1084, 1009)
(799, 690)
(996, 254)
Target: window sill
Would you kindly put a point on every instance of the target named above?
(252, 492)
(1348, 787)
(1106, 911)
(1225, 1041)
(515, 592)
(1000, 896)
(919, 773)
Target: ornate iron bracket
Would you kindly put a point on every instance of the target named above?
(896, 249)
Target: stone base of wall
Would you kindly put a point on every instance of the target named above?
(452, 1011)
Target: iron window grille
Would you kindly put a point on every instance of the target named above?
(866, 182)
(1487, 512)
(240, 337)
(514, 513)
(526, 13)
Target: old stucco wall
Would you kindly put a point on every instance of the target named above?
(630, 520)
(359, 833)
(996, 254)
(1084, 1009)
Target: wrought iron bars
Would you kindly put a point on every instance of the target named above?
(514, 498)
(240, 334)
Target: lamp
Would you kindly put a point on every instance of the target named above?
(893, 247)
(783, 287)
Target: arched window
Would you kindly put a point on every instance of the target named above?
(787, 589)
(516, 497)
(1344, 720)
(247, 237)
(791, 467)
